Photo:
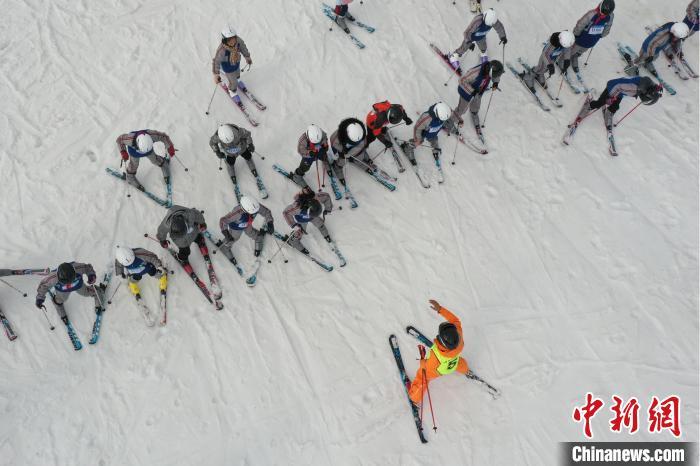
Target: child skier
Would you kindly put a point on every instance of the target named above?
(136, 145)
(228, 60)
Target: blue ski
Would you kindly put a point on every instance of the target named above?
(406, 382)
(150, 195)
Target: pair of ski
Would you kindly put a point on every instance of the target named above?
(328, 11)
(406, 382)
(684, 70)
(533, 93)
(333, 180)
(241, 106)
(629, 56)
(258, 181)
(100, 289)
(167, 203)
(377, 174)
(571, 129)
(327, 267)
(398, 147)
(252, 279)
(148, 316)
(214, 295)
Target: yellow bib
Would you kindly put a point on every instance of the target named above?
(447, 365)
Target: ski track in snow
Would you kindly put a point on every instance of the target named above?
(572, 271)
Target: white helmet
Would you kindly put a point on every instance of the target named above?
(125, 256)
(228, 32)
(250, 205)
(226, 134)
(566, 39)
(442, 111)
(680, 30)
(490, 17)
(144, 143)
(314, 134)
(355, 132)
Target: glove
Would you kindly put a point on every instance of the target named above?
(165, 244)
(383, 130)
(220, 154)
(203, 227)
(171, 151)
(217, 79)
(494, 86)
(550, 69)
(298, 232)
(387, 144)
(249, 60)
(125, 155)
(91, 279)
(270, 228)
(123, 275)
(227, 235)
(504, 41)
(251, 148)
(435, 305)
(39, 303)
(567, 63)
(408, 121)
(150, 269)
(471, 46)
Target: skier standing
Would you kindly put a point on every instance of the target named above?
(68, 278)
(427, 128)
(476, 34)
(240, 220)
(472, 86)
(228, 60)
(668, 37)
(228, 143)
(184, 226)
(443, 357)
(139, 144)
(308, 207)
(342, 13)
(641, 87)
(349, 141)
(134, 264)
(559, 47)
(311, 147)
(592, 27)
(382, 114)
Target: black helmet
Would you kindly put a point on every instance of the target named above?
(178, 226)
(496, 68)
(313, 208)
(394, 114)
(448, 335)
(607, 6)
(649, 91)
(65, 273)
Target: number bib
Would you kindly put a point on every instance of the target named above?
(447, 365)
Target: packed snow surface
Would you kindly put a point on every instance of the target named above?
(572, 271)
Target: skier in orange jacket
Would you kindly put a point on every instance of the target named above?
(444, 357)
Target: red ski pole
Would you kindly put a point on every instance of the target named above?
(421, 348)
(620, 120)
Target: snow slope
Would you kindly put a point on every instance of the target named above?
(572, 271)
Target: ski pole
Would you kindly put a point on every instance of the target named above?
(421, 349)
(448, 79)
(487, 109)
(504, 54)
(99, 299)
(589, 56)
(46, 316)
(454, 154)
(379, 153)
(561, 84)
(262, 157)
(620, 120)
(279, 250)
(16, 289)
(220, 165)
(211, 100)
(318, 176)
(180, 162)
(109, 301)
